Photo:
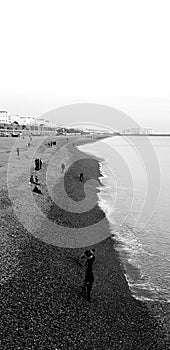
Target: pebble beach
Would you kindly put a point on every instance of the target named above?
(41, 302)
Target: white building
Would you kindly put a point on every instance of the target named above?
(4, 117)
(15, 118)
(25, 120)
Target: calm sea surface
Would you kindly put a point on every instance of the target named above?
(140, 225)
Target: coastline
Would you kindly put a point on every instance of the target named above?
(42, 305)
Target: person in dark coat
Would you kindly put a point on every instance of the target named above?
(89, 255)
(18, 151)
(37, 190)
(31, 179)
(37, 166)
(89, 279)
(81, 177)
(36, 180)
(62, 167)
(40, 163)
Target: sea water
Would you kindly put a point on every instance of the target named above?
(141, 238)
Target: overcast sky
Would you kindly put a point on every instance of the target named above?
(111, 52)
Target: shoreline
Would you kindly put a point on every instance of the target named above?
(159, 308)
(43, 305)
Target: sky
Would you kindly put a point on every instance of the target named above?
(55, 53)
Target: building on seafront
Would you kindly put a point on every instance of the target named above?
(7, 118)
(11, 124)
(4, 117)
(20, 122)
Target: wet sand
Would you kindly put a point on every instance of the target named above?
(42, 305)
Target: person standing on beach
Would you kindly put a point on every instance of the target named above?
(89, 279)
(18, 151)
(81, 177)
(89, 255)
(36, 164)
(37, 190)
(40, 163)
(36, 179)
(31, 179)
(62, 167)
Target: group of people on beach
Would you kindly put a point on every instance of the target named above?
(51, 143)
(38, 166)
(28, 144)
(36, 183)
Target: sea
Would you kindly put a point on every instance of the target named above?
(135, 197)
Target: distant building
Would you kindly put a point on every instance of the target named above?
(45, 123)
(148, 131)
(25, 120)
(97, 131)
(137, 131)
